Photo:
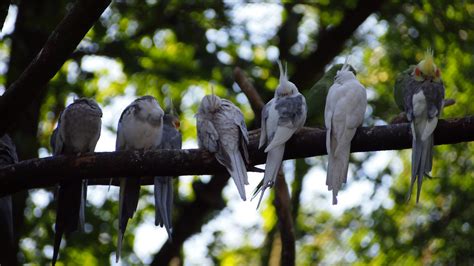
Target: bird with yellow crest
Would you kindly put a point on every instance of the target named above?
(419, 92)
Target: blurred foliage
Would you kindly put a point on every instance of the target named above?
(178, 49)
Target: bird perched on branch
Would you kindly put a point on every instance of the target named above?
(140, 127)
(222, 131)
(7, 156)
(77, 132)
(344, 113)
(419, 92)
(171, 139)
(281, 118)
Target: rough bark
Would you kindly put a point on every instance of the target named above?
(307, 142)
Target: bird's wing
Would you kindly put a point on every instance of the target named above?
(207, 134)
(263, 124)
(291, 117)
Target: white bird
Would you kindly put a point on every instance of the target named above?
(78, 131)
(344, 113)
(140, 128)
(222, 131)
(281, 118)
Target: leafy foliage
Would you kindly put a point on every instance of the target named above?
(177, 49)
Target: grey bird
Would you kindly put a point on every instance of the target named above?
(419, 91)
(77, 132)
(281, 118)
(222, 131)
(140, 127)
(7, 156)
(171, 139)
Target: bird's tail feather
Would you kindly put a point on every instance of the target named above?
(82, 213)
(338, 164)
(274, 158)
(68, 212)
(163, 203)
(422, 158)
(57, 243)
(422, 151)
(238, 172)
(129, 194)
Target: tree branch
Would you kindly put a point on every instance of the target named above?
(331, 42)
(285, 222)
(305, 143)
(57, 49)
(249, 90)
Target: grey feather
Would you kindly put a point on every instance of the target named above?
(222, 131)
(163, 191)
(281, 118)
(78, 131)
(140, 128)
(422, 144)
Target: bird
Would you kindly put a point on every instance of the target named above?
(77, 132)
(7, 156)
(163, 190)
(140, 127)
(222, 131)
(282, 116)
(419, 91)
(346, 103)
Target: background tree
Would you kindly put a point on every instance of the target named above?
(177, 49)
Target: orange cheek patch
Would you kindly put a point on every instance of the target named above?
(417, 72)
(438, 73)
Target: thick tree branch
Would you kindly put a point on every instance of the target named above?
(331, 42)
(305, 143)
(61, 43)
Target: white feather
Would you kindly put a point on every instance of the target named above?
(346, 103)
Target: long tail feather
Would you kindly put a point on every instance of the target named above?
(129, 194)
(238, 172)
(338, 162)
(163, 203)
(274, 158)
(422, 157)
(68, 212)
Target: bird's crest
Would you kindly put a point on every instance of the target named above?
(427, 65)
(283, 72)
(346, 66)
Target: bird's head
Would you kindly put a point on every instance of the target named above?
(149, 109)
(345, 73)
(285, 87)
(210, 103)
(89, 103)
(172, 120)
(427, 69)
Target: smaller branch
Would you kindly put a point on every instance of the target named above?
(57, 49)
(282, 204)
(191, 216)
(249, 90)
